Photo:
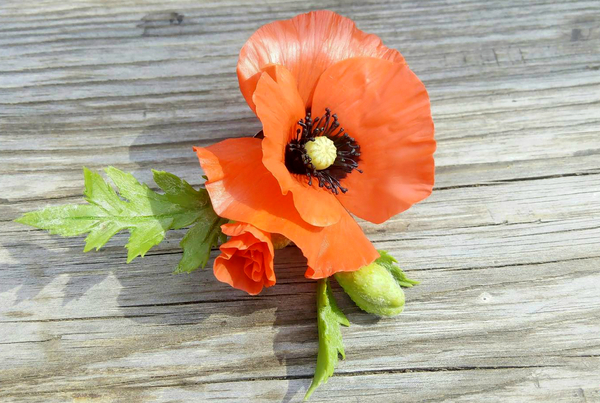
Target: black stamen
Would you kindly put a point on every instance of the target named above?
(298, 161)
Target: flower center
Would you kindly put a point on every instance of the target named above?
(323, 151)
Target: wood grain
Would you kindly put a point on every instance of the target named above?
(506, 248)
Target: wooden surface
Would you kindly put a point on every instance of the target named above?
(507, 248)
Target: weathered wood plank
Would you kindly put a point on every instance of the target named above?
(506, 248)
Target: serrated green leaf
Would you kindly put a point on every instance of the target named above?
(147, 215)
(100, 235)
(145, 236)
(65, 220)
(99, 193)
(142, 200)
(389, 262)
(198, 242)
(329, 318)
(178, 191)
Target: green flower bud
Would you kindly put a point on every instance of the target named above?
(376, 288)
(373, 289)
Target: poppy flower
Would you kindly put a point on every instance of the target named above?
(340, 135)
(246, 259)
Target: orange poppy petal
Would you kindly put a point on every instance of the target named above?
(279, 108)
(385, 107)
(224, 269)
(345, 237)
(306, 45)
(240, 229)
(242, 189)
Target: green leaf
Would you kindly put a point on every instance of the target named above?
(329, 318)
(179, 191)
(198, 242)
(146, 214)
(389, 262)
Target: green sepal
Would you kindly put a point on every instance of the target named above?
(389, 262)
(329, 319)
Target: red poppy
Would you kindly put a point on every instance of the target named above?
(246, 260)
(340, 134)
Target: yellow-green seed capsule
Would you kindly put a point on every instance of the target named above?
(374, 289)
(322, 152)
